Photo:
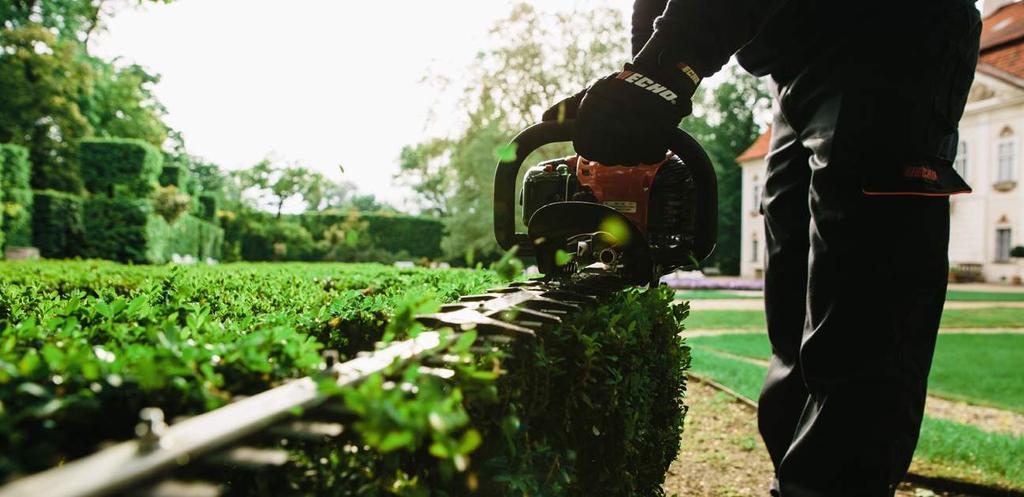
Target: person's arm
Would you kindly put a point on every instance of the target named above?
(703, 34)
(644, 14)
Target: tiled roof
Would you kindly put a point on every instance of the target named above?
(1003, 26)
(758, 149)
(1002, 39)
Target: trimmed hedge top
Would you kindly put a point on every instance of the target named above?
(119, 167)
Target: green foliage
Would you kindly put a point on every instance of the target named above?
(209, 204)
(176, 175)
(85, 345)
(1017, 252)
(414, 236)
(170, 202)
(591, 407)
(73, 20)
(595, 405)
(534, 60)
(119, 167)
(121, 103)
(726, 121)
(275, 184)
(129, 230)
(187, 235)
(17, 170)
(57, 223)
(115, 228)
(17, 196)
(42, 78)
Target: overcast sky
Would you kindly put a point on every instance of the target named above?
(320, 82)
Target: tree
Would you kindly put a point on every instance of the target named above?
(72, 20)
(535, 61)
(42, 79)
(121, 103)
(275, 185)
(727, 119)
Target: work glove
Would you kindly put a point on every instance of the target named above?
(627, 118)
(565, 109)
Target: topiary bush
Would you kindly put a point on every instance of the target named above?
(118, 167)
(57, 223)
(175, 175)
(116, 228)
(15, 185)
(130, 230)
(209, 204)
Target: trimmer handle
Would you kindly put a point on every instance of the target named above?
(547, 132)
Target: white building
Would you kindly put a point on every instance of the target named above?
(985, 224)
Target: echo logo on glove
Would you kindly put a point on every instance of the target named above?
(649, 85)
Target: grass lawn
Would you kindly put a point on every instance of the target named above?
(952, 295)
(996, 317)
(716, 295)
(969, 296)
(945, 449)
(980, 369)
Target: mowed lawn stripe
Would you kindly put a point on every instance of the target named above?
(974, 368)
(994, 317)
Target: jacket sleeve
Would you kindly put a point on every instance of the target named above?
(703, 34)
(644, 13)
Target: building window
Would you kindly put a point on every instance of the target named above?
(758, 194)
(1006, 159)
(960, 164)
(1003, 244)
(755, 249)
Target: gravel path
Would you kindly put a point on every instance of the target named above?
(722, 454)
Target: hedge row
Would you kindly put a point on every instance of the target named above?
(592, 407)
(416, 236)
(16, 192)
(128, 230)
(118, 167)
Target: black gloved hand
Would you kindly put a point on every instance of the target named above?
(627, 118)
(566, 108)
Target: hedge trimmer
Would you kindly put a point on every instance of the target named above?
(634, 222)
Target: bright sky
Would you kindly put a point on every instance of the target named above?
(319, 82)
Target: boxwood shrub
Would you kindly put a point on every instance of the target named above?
(119, 167)
(590, 407)
(17, 195)
(175, 175)
(57, 223)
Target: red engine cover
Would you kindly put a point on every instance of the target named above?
(626, 189)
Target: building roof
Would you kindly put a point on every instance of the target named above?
(1002, 39)
(758, 149)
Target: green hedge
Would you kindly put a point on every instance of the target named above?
(208, 206)
(57, 223)
(590, 407)
(415, 236)
(176, 175)
(128, 230)
(17, 195)
(188, 235)
(115, 228)
(119, 167)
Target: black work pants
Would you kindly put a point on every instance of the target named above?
(855, 279)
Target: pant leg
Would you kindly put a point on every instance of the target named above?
(786, 218)
(875, 289)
